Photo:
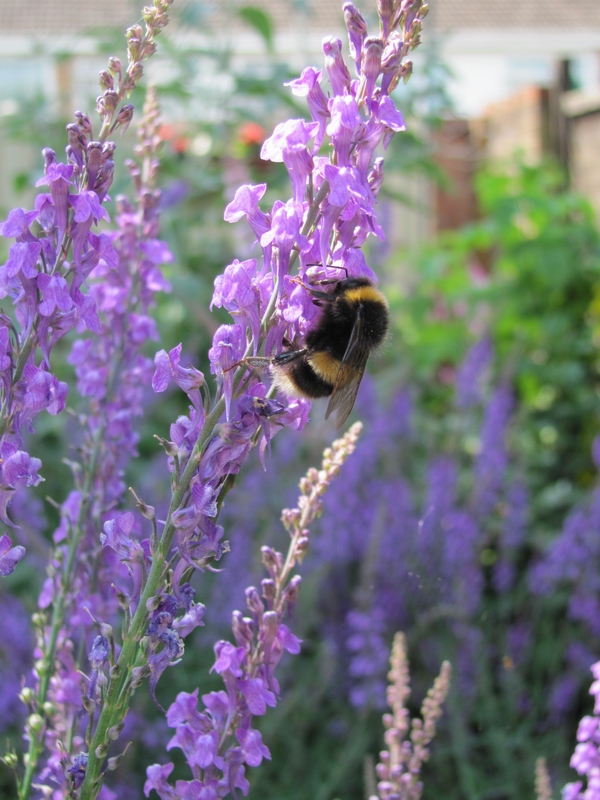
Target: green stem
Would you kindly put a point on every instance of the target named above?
(29, 345)
(58, 614)
(114, 708)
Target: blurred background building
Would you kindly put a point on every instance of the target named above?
(522, 75)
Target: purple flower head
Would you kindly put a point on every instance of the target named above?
(189, 379)
(286, 224)
(236, 291)
(77, 770)
(286, 136)
(156, 778)
(16, 225)
(23, 257)
(308, 85)
(18, 467)
(257, 695)
(55, 293)
(119, 535)
(226, 351)
(44, 391)
(252, 745)
(345, 119)
(288, 144)
(9, 555)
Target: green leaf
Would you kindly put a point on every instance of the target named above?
(260, 21)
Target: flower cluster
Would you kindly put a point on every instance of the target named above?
(54, 252)
(400, 765)
(586, 758)
(112, 375)
(218, 741)
(47, 274)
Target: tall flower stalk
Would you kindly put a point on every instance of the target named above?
(45, 276)
(220, 739)
(400, 765)
(327, 220)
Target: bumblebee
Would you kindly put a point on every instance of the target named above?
(353, 322)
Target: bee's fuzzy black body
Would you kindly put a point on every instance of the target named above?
(354, 321)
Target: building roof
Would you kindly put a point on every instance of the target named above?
(454, 14)
(65, 16)
(79, 16)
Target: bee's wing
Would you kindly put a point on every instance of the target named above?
(350, 373)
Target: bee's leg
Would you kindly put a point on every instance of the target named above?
(326, 296)
(287, 356)
(262, 362)
(329, 266)
(257, 361)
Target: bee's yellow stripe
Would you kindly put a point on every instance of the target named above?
(365, 294)
(325, 365)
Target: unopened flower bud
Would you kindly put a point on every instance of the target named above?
(49, 157)
(114, 732)
(292, 590)
(243, 629)
(305, 485)
(48, 708)
(124, 117)
(134, 73)
(11, 760)
(105, 79)
(269, 627)
(26, 695)
(170, 448)
(254, 602)
(301, 548)
(148, 512)
(115, 671)
(385, 9)
(138, 675)
(102, 680)
(152, 603)
(101, 750)
(76, 138)
(108, 149)
(123, 598)
(35, 723)
(339, 77)
(89, 705)
(110, 98)
(115, 67)
(269, 589)
(272, 560)
(83, 122)
(134, 37)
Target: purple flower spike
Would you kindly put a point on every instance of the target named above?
(9, 555)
